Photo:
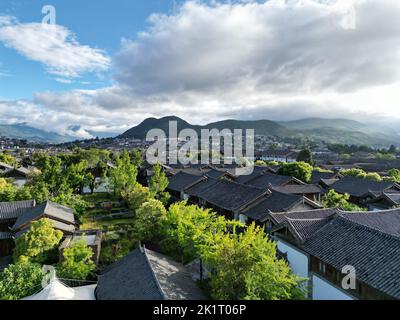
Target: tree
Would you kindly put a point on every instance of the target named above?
(124, 175)
(300, 170)
(20, 280)
(336, 200)
(306, 156)
(158, 183)
(245, 266)
(359, 173)
(8, 159)
(395, 174)
(37, 244)
(392, 149)
(77, 261)
(76, 202)
(136, 157)
(188, 227)
(137, 196)
(149, 221)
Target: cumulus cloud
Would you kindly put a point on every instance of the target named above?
(52, 45)
(279, 60)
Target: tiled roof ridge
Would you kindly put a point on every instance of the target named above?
(144, 251)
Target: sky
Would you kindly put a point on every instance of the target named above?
(107, 65)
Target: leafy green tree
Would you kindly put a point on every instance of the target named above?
(20, 280)
(38, 243)
(158, 183)
(395, 174)
(188, 227)
(336, 200)
(124, 175)
(136, 157)
(76, 202)
(76, 175)
(8, 159)
(245, 266)
(137, 196)
(359, 173)
(77, 261)
(300, 170)
(149, 220)
(306, 156)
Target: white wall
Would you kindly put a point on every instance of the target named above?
(298, 261)
(322, 290)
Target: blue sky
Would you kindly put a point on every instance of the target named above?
(100, 24)
(109, 64)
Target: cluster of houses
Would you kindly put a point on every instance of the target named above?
(319, 244)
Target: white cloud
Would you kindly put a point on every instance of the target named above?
(52, 45)
(276, 60)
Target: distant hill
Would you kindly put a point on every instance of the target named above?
(261, 127)
(25, 132)
(328, 130)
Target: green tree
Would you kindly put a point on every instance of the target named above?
(149, 220)
(245, 266)
(359, 173)
(395, 174)
(124, 175)
(136, 157)
(38, 243)
(20, 280)
(76, 202)
(188, 227)
(77, 261)
(137, 196)
(336, 200)
(8, 159)
(300, 170)
(158, 183)
(306, 156)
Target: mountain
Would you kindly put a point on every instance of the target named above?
(25, 132)
(328, 130)
(261, 127)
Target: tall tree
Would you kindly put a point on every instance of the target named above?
(158, 183)
(300, 170)
(124, 175)
(149, 220)
(77, 261)
(306, 156)
(245, 266)
(37, 244)
(20, 280)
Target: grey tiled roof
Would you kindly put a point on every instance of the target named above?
(308, 214)
(359, 187)
(387, 221)
(13, 210)
(131, 278)
(299, 189)
(317, 176)
(226, 194)
(181, 181)
(267, 180)
(306, 228)
(375, 255)
(49, 209)
(5, 235)
(275, 202)
(147, 276)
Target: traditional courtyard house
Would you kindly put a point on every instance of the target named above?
(322, 245)
(276, 202)
(385, 201)
(147, 275)
(318, 176)
(362, 191)
(181, 182)
(9, 213)
(224, 196)
(309, 191)
(91, 237)
(62, 218)
(266, 180)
